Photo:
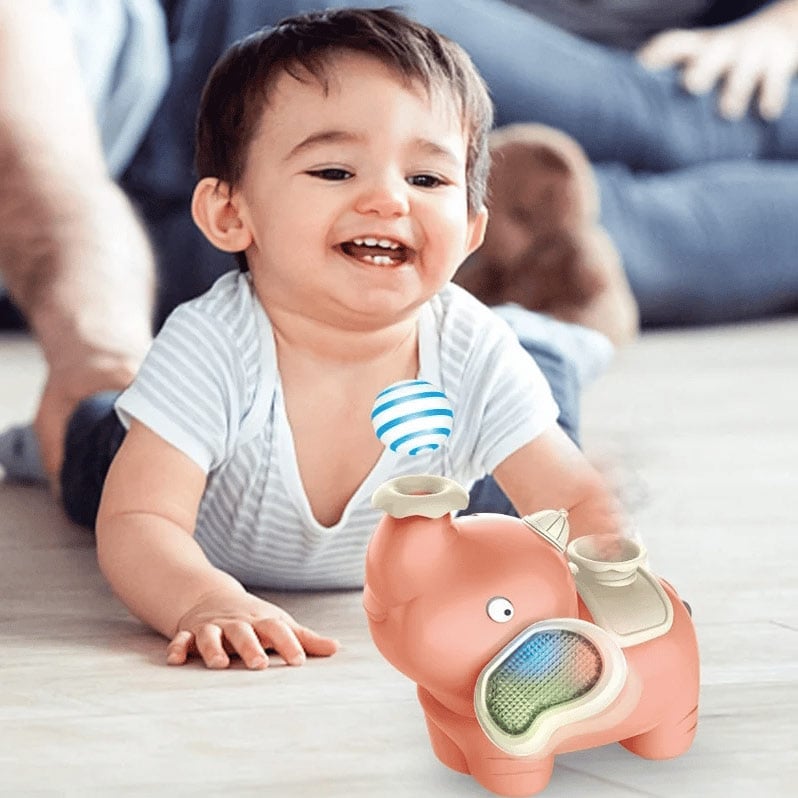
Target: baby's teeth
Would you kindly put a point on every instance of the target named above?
(385, 243)
(380, 260)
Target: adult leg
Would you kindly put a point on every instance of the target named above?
(710, 243)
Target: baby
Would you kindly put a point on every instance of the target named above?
(343, 157)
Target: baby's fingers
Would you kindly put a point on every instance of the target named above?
(209, 642)
(315, 644)
(277, 634)
(178, 649)
(242, 638)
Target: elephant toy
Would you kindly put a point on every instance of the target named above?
(522, 645)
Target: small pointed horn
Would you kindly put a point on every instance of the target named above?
(551, 525)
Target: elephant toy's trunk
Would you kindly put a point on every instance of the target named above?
(425, 495)
(411, 539)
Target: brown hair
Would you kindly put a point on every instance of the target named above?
(239, 84)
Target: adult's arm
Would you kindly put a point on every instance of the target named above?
(73, 256)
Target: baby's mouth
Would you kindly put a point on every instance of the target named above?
(376, 251)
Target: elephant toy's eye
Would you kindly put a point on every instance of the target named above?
(500, 609)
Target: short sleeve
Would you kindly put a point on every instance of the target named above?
(502, 400)
(191, 387)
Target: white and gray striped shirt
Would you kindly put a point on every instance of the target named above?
(210, 387)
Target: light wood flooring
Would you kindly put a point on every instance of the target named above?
(700, 430)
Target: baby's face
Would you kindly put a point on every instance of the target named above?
(356, 200)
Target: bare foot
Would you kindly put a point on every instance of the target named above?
(544, 247)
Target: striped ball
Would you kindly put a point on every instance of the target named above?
(412, 416)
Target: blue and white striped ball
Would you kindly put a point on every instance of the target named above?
(412, 416)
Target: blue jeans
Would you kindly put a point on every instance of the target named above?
(94, 435)
(701, 209)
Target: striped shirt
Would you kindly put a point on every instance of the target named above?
(210, 387)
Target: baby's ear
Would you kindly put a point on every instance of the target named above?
(477, 225)
(215, 211)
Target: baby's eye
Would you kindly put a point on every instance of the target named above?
(330, 174)
(425, 181)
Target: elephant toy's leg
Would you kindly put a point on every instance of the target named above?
(669, 739)
(445, 748)
(513, 776)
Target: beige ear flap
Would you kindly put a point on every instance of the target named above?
(215, 211)
(551, 525)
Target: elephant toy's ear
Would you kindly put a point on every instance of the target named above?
(551, 525)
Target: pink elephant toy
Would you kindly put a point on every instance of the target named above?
(524, 646)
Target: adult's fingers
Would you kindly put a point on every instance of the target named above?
(774, 90)
(669, 49)
(702, 72)
(740, 85)
(55, 407)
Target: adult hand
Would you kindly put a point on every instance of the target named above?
(756, 56)
(229, 621)
(68, 382)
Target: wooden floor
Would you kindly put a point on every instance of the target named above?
(700, 430)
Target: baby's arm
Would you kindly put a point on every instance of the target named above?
(147, 551)
(551, 472)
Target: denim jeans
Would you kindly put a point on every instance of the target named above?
(701, 209)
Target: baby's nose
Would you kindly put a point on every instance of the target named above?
(385, 196)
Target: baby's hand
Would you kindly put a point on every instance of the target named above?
(226, 622)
